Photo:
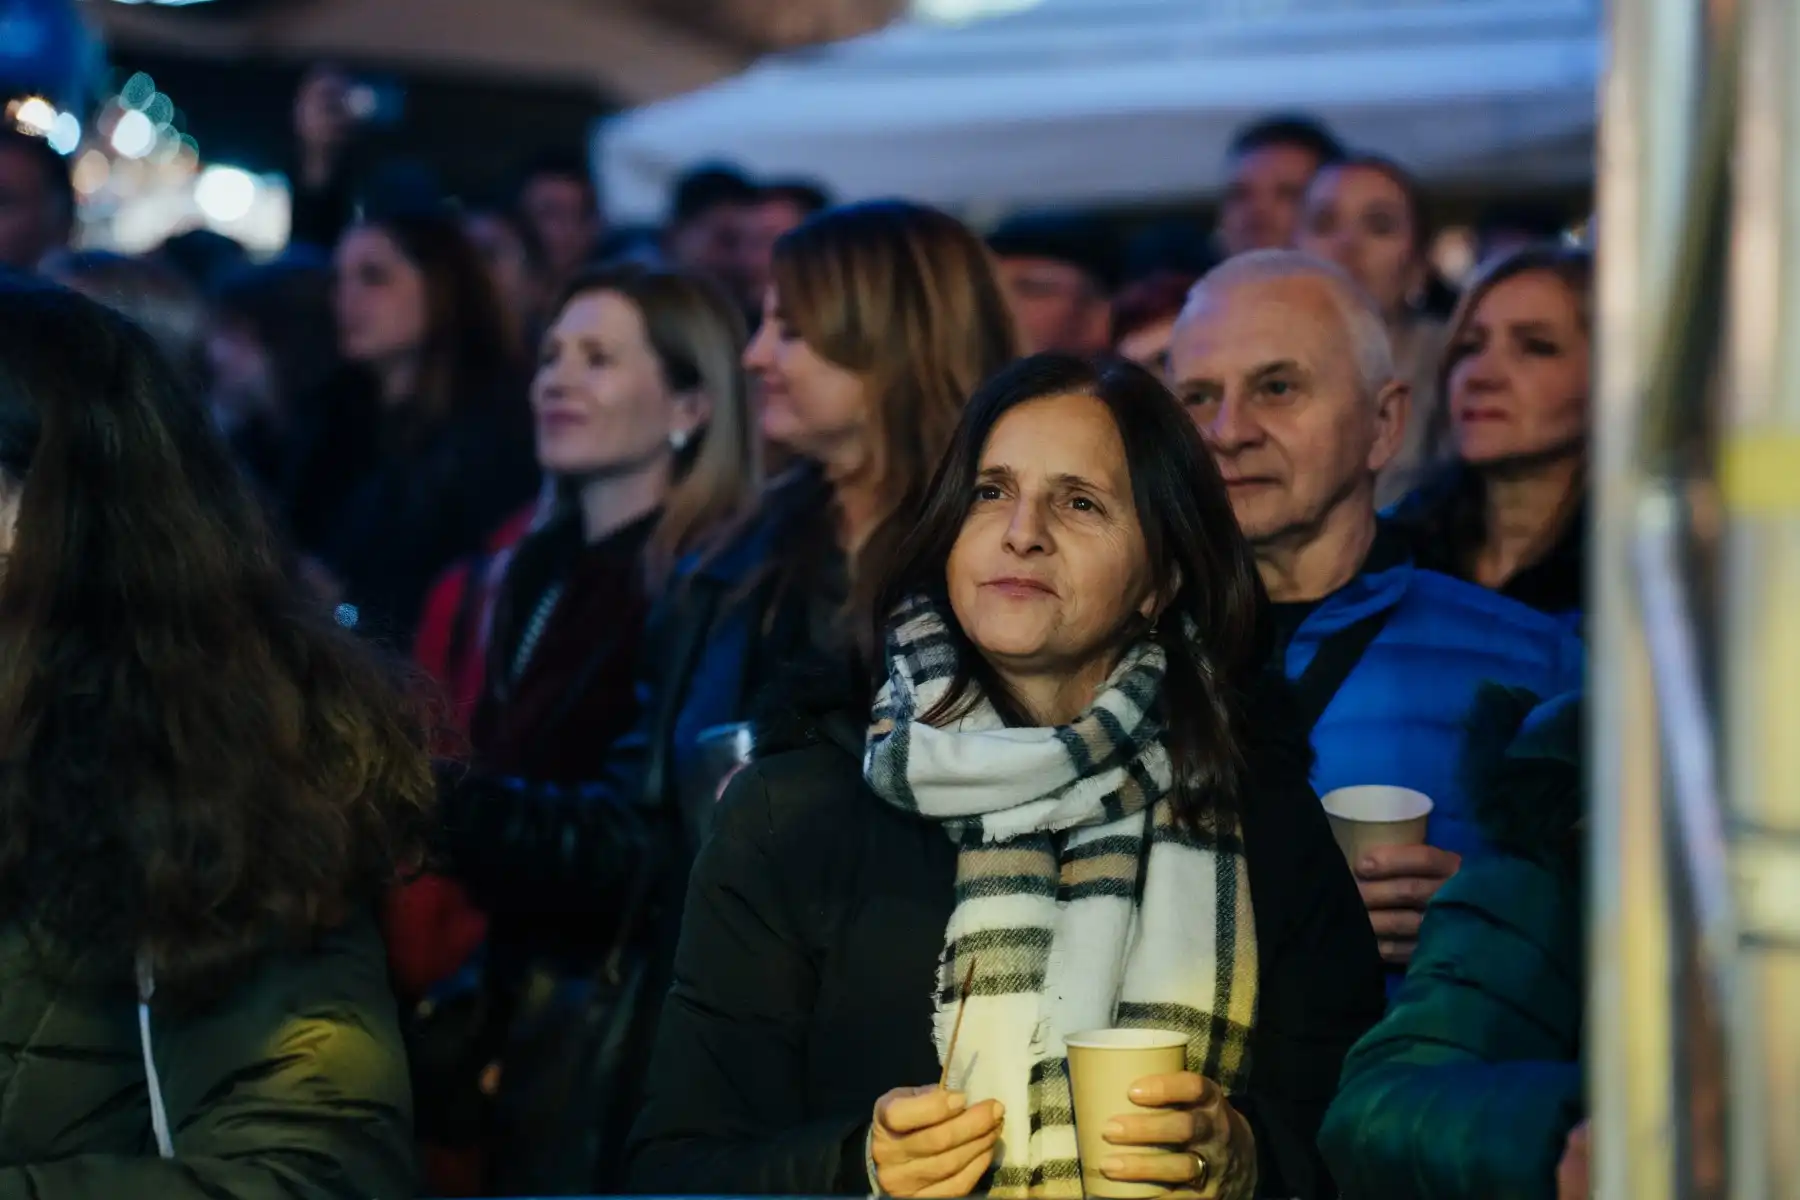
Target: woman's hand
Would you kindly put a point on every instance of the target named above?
(928, 1142)
(1196, 1127)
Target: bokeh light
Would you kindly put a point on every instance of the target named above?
(225, 194)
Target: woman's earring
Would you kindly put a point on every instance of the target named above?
(678, 440)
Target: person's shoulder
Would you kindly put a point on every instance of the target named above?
(734, 550)
(803, 794)
(1450, 602)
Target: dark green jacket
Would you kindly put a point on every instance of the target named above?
(294, 1087)
(1471, 1083)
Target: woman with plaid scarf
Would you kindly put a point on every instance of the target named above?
(1074, 790)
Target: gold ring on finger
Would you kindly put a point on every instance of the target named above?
(1202, 1168)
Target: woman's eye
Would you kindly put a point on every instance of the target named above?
(1278, 387)
(987, 492)
(1083, 504)
(1541, 348)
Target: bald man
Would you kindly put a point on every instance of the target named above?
(1285, 366)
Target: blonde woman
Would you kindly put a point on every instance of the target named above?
(643, 426)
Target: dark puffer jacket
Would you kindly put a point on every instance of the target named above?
(292, 1088)
(1472, 1082)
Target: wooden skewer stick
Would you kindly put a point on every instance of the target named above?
(962, 1006)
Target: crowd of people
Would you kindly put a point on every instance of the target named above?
(829, 629)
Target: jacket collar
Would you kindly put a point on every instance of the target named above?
(1379, 586)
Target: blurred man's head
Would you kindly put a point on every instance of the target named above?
(710, 228)
(1269, 166)
(557, 202)
(1284, 364)
(37, 200)
(781, 205)
(1060, 271)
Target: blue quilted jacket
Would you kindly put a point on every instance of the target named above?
(1400, 717)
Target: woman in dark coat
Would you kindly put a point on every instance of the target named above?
(420, 447)
(1472, 1084)
(206, 785)
(1072, 674)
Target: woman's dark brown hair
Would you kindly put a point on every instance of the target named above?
(471, 353)
(198, 764)
(1214, 629)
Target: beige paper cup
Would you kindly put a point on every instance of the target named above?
(1363, 818)
(1103, 1064)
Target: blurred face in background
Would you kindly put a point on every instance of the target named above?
(30, 226)
(762, 227)
(809, 405)
(720, 243)
(1149, 346)
(1056, 306)
(508, 264)
(1261, 209)
(601, 397)
(1518, 379)
(243, 382)
(562, 214)
(1362, 219)
(380, 299)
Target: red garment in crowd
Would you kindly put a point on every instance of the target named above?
(431, 926)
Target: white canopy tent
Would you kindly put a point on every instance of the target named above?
(1120, 101)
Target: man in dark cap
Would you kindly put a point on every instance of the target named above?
(1060, 271)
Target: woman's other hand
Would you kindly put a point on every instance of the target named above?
(1202, 1146)
(928, 1142)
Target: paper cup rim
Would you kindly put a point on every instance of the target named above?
(1386, 804)
(1126, 1039)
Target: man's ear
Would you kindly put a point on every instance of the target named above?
(1392, 405)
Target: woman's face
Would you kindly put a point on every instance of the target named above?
(1050, 573)
(600, 397)
(1359, 218)
(810, 405)
(503, 254)
(1519, 383)
(380, 298)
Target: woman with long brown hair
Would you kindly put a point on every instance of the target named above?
(421, 446)
(206, 787)
(882, 319)
(1509, 512)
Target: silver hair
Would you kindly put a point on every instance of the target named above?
(1362, 316)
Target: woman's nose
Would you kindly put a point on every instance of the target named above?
(759, 355)
(1481, 373)
(1025, 529)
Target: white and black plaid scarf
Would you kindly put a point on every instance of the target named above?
(1075, 925)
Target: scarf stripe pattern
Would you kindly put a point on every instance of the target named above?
(1081, 900)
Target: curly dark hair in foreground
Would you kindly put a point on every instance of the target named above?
(199, 765)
